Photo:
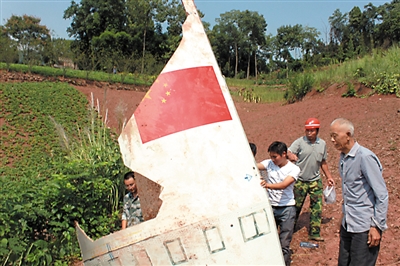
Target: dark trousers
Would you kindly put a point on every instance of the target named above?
(284, 219)
(354, 250)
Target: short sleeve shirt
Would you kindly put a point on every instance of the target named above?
(310, 156)
(276, 174)
(132, 211)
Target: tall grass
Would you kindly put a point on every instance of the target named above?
(94, 146)
(366, 70)
(249, 91)
(299, 86)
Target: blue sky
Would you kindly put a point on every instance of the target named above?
(314, 13)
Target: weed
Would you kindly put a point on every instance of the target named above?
(351, 92)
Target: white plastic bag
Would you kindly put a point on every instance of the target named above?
(329, 194)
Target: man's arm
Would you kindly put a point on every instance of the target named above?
(125, 213)
(371, 168)
(281, 185)
(293, 151)
(291, 156)
(260, 166)
(325, 169)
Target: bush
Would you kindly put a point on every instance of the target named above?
(299, 86)
(47, 184)
(387, 84)
(351, 92)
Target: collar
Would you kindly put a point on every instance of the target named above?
(353, 151)
(309, 142)
(132, 197)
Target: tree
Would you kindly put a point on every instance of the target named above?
(388, 31)
(171, 13)
(29, 34)
(288, 40)
(370, 15)
(357, 28)
(8, 49)
(253, 27)
(228, 37)
(90, 18)
(267, 53)
(141, 21)
(237, 37)
(57, 51)
(338, 22)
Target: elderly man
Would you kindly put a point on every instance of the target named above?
(365, 198)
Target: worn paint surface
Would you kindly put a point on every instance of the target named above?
(203, 196)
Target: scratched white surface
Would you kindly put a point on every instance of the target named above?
(214, 210)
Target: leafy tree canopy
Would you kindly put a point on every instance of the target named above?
(28, 33)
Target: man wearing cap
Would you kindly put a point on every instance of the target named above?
(309, 153)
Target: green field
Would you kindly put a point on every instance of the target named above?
(54, 151)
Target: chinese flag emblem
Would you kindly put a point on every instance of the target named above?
(180, 100)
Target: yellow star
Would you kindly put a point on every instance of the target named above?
(163, 101)
(168, 93)
(147, 96)
(165, 85)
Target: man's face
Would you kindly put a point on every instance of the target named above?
(340, 137)
(311, 134)
(279, 160)
(130, 185)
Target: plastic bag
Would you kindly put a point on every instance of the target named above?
(330, 195)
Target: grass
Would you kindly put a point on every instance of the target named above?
(125, 78)
(249, 90)
(379, 71)
(366, 70)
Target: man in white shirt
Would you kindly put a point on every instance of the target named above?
(282, 175)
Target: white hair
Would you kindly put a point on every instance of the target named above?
(345, 122)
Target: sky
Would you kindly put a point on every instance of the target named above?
(311, 13)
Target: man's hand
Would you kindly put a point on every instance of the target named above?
(331, 181)
(292, 157)
(264, 184)
(374, 237)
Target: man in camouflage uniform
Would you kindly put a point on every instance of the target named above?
(132, 213)
(310, 154)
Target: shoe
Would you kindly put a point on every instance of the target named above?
(316, 238)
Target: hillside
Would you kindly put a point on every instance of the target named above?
(377, 125)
